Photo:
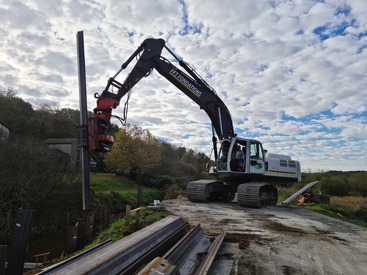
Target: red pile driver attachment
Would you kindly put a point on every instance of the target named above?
(99, 139)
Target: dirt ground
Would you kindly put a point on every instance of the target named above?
(277, 239)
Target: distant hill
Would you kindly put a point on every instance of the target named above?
(41, 122)
(342, 173)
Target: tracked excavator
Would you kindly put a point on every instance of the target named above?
(241, 166)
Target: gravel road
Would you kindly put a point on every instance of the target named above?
(277, 239)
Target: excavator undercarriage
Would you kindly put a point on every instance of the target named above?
(248, 194)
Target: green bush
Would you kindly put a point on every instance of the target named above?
(159, 181)
(358, 183)
(117, 201)
(361, 213)
(35, 177)
(119, 229)
(335, 185)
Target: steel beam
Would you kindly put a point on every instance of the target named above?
(131, 252)
(83, 138)
(299, 192)
(19, 241)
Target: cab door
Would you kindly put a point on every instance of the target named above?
(256, 158)
(224, 156)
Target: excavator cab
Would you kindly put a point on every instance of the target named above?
(241, 156)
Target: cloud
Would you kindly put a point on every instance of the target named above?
(291, 73)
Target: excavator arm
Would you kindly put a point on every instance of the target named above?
(190, 83)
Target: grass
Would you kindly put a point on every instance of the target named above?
(118, 191)
(119, 229)
(350, 208)
(106, 183)
(114, 190)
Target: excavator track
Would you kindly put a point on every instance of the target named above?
(205, 190)
(248, 194)
(257, 194)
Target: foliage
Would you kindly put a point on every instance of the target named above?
(116, 231)
(53, 123)
(351, 206)
(309, 177)
(285, 192)
(119, 229)
(147, 163)
(182, 163)
(337, 183)
(135, 151)
(358, 183)
(16, 113)
(159, 181)
(172, 192)
(334, 185)
(42, 123)
(111, 182)
(350, 209)
(118, 191)
(34, 177)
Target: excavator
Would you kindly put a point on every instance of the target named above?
(242, 167)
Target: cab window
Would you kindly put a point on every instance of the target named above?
(256, 151)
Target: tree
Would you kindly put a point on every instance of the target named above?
(135, 151)
(41, 122)
(33, 176)
(15, 112)
(170, 160)
(50, 122)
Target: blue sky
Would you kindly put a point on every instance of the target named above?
(292, 73)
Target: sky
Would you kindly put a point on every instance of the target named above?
(292, 73)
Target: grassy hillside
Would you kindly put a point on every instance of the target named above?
(105, 183)
(117, 191)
